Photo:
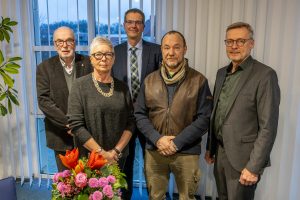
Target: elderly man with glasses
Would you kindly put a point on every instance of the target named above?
(244, 120)
(54, 78)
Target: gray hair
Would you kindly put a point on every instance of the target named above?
(241, 25)
(63, 28)
(100, 41)
(135, 10)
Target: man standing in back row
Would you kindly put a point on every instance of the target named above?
(244, 119)
(134, 60)
(54, 78)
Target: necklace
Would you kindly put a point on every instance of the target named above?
(111, 90)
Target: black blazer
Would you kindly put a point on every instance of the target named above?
(151, 58)
(52, 94)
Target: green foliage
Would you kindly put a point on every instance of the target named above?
(8, 66)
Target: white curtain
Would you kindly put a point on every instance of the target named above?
(277, 44)
(19, 154)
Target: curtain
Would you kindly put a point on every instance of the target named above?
(19, 153)
(277, 44)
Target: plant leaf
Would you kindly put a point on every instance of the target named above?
(11, 70)
(13, 98)
(7, 79)
(3, 110)
(3, 96)
(1, 35)
(5, 20)
(1, 57)
(14, 59)
(9, 105)
(12, 65)
(6, 35)
(7, 28)
(12, 23)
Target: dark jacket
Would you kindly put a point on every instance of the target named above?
(52, 94)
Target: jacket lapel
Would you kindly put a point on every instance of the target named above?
(145, 58)
(60, 76)
(218, 87)
(243, 79)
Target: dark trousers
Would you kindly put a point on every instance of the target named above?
(227, 179)
(128, 168)
(59, 164)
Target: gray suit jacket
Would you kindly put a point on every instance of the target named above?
(250, 125)
(52, 94)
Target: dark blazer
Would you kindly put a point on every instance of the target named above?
(151, 58)
(52, 94)
(250, 125)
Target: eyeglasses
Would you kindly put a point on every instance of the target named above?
(60, 43)
(99, 55)
(132, 22)
(238, 42)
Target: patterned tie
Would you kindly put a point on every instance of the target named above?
(135, 82)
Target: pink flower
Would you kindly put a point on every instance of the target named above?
(81, 180)
(64, 188)
(57, 176)
(97, 195)
(66, 173)
(107, 190)
(111, 179)
(103, 181)
(93, 183)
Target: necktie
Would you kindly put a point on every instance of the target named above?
(135, 82)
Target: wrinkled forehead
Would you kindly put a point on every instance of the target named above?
(63, 34)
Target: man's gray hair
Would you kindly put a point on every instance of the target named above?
(241, 25)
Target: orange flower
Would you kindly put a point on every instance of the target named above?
(96, 161)
(79, 167)
(70, 160)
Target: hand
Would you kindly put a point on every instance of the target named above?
(248, 178)
(109, 156)
(166, 145)
(69, 130)
(208, 158)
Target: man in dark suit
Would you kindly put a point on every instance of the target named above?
(244, 119)
(134, 60)
(54, 79)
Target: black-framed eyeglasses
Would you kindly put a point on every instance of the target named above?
(99, 55)
(132, 22)
(60, 43)
(239, 42)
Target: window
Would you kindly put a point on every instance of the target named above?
(87, 19)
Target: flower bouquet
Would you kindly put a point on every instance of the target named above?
(87, 179)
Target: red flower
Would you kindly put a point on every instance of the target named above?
(96, 161)
(70, 160)
(79, 167)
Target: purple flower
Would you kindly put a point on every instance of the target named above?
(107, 190)
(97, 195)
(66, 173)
(111, 179)
(81, 180)
(64, 188)
(93, 183)
(103, 181)
(57, 176)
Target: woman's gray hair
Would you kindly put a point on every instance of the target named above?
(100, 41)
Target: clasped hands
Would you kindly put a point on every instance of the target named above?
(111, 156)
(165, 145)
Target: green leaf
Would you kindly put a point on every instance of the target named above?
(1, 35)
(83, 197)
(7, 79)
(1, 57)
(12, 23)
(3, 110)
(11, 70)
(12, 65)
(5, 20)
(3, 96)
(14, 59)
(6, 35)
(9, 106)
(13, 98)
(7, 28)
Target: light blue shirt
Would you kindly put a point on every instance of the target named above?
(138, 52)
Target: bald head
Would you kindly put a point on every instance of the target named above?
(63, 30)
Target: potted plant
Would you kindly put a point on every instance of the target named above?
(8, 67)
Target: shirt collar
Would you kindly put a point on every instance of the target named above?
(243, 65)
(68, 69)
(139, 45)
